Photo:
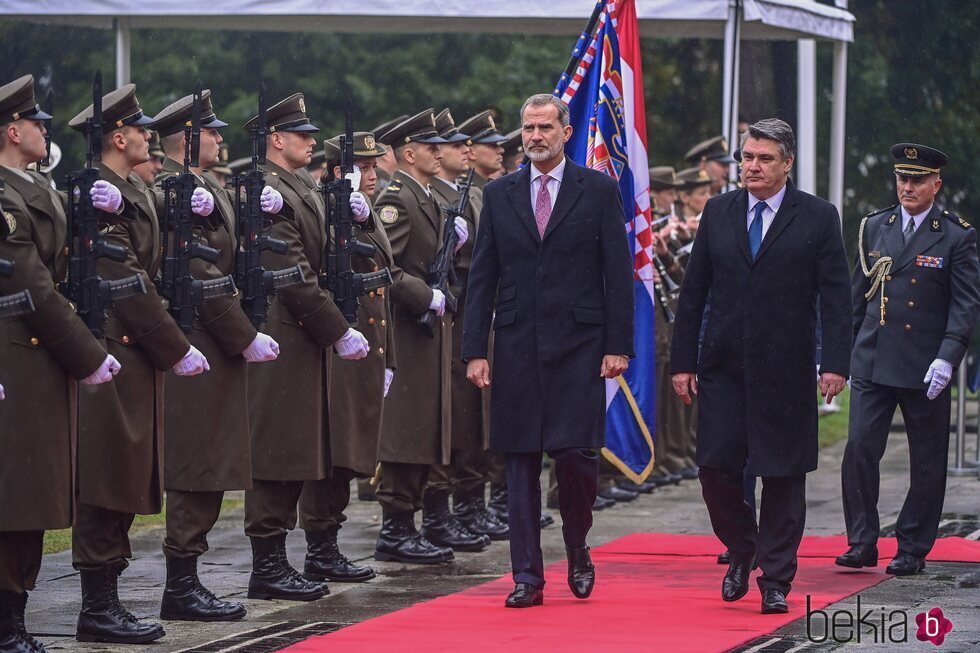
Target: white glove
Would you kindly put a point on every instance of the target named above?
(462, 230)
(105, 196)
(262, 349)
(389, 375)
(359, 207)
(352, 346)
(108, 369)
(202, 202)
(192, 364)
(271, 200)
(938, 376)
(3, 396)
(438, 303)
(355, 178)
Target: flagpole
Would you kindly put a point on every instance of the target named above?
(581, 46)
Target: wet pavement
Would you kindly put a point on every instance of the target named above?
(272, 625)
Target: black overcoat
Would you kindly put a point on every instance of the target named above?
(757, 377)
(561, 304)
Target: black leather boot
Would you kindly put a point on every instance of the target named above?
(581, 571)
(274, 578)
(13, 635)
(186, 599)
(498, 501)
(324, 561)
(103, 618)
(398, 541)
(440, 527)
(471, 511)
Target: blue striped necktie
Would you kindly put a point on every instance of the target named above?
(755, 230)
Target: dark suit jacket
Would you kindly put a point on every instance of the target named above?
(561, 302)
(933, 302)
(757, 369)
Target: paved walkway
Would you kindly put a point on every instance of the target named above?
(272, 625)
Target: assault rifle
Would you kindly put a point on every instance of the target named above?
(257, 284)
(18, 303)
(182, 291)
(84, 241)
(442, 272)
(345, 284)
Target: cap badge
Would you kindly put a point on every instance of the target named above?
(911, 153)
(703, 174)
(369, 142)
(302, 105)
(490, 121)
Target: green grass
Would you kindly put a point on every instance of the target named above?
(60, 540)
(833, 428)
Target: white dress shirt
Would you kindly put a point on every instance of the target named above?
(554, 184)
(772, 208)
(919, 218)
(425, 189)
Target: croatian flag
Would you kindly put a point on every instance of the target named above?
(604, 94)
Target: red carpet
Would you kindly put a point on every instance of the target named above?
(653, 592)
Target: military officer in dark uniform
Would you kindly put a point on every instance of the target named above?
(487, 154)
(207, 450)
(712, 156)
(43, 354)
(416, 429)
(464, 476)
(357, 390)
(287, 401)
(386, 163)
(120, 433)
(916, 296)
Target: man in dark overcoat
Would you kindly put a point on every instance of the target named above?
(552, 276)
(768, 255)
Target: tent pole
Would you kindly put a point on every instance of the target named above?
(838, 112)
(806, 113)
(729, 109)
(123, 75)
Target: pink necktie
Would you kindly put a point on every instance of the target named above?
(542, 205)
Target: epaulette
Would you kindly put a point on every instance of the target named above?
(394, 186)
(957, 219)
(884, 210)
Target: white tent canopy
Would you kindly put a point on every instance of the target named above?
(805, 21)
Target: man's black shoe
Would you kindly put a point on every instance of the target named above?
(689, 474)
(675, 478)
(398, 541)
(659, 480)
(736, 582)
(905, 564)
(546, 520)
(613, 493)
(325, 562)
(102, 618)
(725, 558)
(186, 599)
(859, 555)
(774, 602)
(581, 571)
(274, 578)
(441, 527)
(524, 595)
(602, 504)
